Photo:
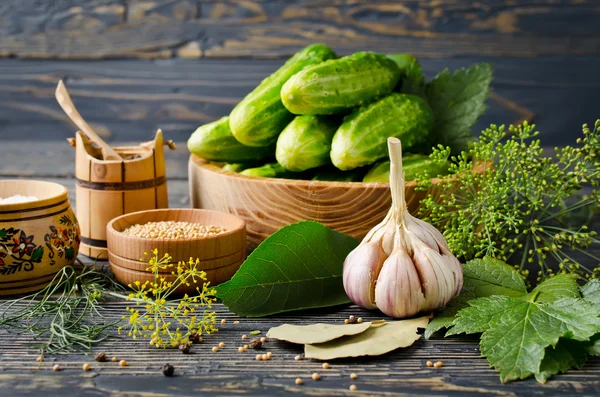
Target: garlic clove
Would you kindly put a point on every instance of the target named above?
(439, 275)
(361, 268)
(398, 291)
(426, 233)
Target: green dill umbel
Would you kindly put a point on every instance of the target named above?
(524, 207)
(66, 315)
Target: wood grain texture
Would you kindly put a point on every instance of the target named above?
(207, 28)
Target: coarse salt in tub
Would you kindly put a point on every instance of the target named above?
(17, 198)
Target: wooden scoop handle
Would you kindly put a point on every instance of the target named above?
(64, 100)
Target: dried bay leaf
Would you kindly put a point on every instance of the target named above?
(372, 342)
(315, 333)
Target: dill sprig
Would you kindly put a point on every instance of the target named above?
(525, 207)
(170, 322)
(66, 315)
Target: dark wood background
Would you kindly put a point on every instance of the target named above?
(133, 66)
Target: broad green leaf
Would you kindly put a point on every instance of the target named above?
(516, 331)
(457, 100)
(298, 267)
(594, 348)
(414, 81)
(373, 342)
(316, 333)
(567, 354)
(482, 277)
(591, 291)
(557, 287)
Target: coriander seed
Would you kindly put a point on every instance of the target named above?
(122, 363)
(245, 347)
(259, 357)
(438, 364)
(298, 357)
(114, 359)
(236, 322)
(359, 320)
(222, 344)
(353, 388)
(223, 321)
(241, 349)
(316, 376)
(39, 359)
(86, 367)
(168, 370)
(353, 376)
(346, 321)
(56, 367)
(269, 355)
(244, 337)
(325, 366)
(100, 357)
(264, 357)
(299, 381)
(215, 349)
(263, 339)
(429, 364)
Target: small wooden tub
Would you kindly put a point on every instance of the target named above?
(220, 255)
(108, 189)
(37, 238)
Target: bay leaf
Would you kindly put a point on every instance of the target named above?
(315, 333)
(298, 267)
(373, 342)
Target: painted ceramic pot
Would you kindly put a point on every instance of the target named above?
(37, 238)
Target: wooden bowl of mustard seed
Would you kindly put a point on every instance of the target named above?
(216, 239)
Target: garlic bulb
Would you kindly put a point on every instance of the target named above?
(403, 266)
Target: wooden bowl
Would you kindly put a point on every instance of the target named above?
(268, 204)
(220, 255)
(37, 238)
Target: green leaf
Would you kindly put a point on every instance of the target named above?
(594, 348)
(298, 267)
(37, 254)
(557, 287)
(482, 277)
(565, 355)
(516, 331)
(414, 81)
(591, 291)
(457, 100)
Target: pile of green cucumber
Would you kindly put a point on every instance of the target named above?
(326, 118)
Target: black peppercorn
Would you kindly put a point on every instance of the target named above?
(168, 370)
(100, 357)
(185, 348)
(195, 337)
(255, 344)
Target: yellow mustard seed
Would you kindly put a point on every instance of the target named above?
(299, 381)
(241, 349)
(259, 357)
(171, 230)
(86, 367)
(264, 357)
(114, 359)
(236, 322)
(438, 364)
(298, 357)
(316, 376)
(429, 364)
(269, 355)
(263, 339)
(346, 321)
(39, 359)
(223, 321)
(246, 347)
(244, 337)
(353, 376)
(122, 363)
(359, 320)
(353, 388)
(215, 349)
(222, 344)
(325, 366)
(56, 367)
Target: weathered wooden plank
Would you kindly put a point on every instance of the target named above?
(127, 100)
(159, 28)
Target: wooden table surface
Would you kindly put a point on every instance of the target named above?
(133, 66)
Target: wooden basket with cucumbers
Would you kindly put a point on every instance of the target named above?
(310, 141)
